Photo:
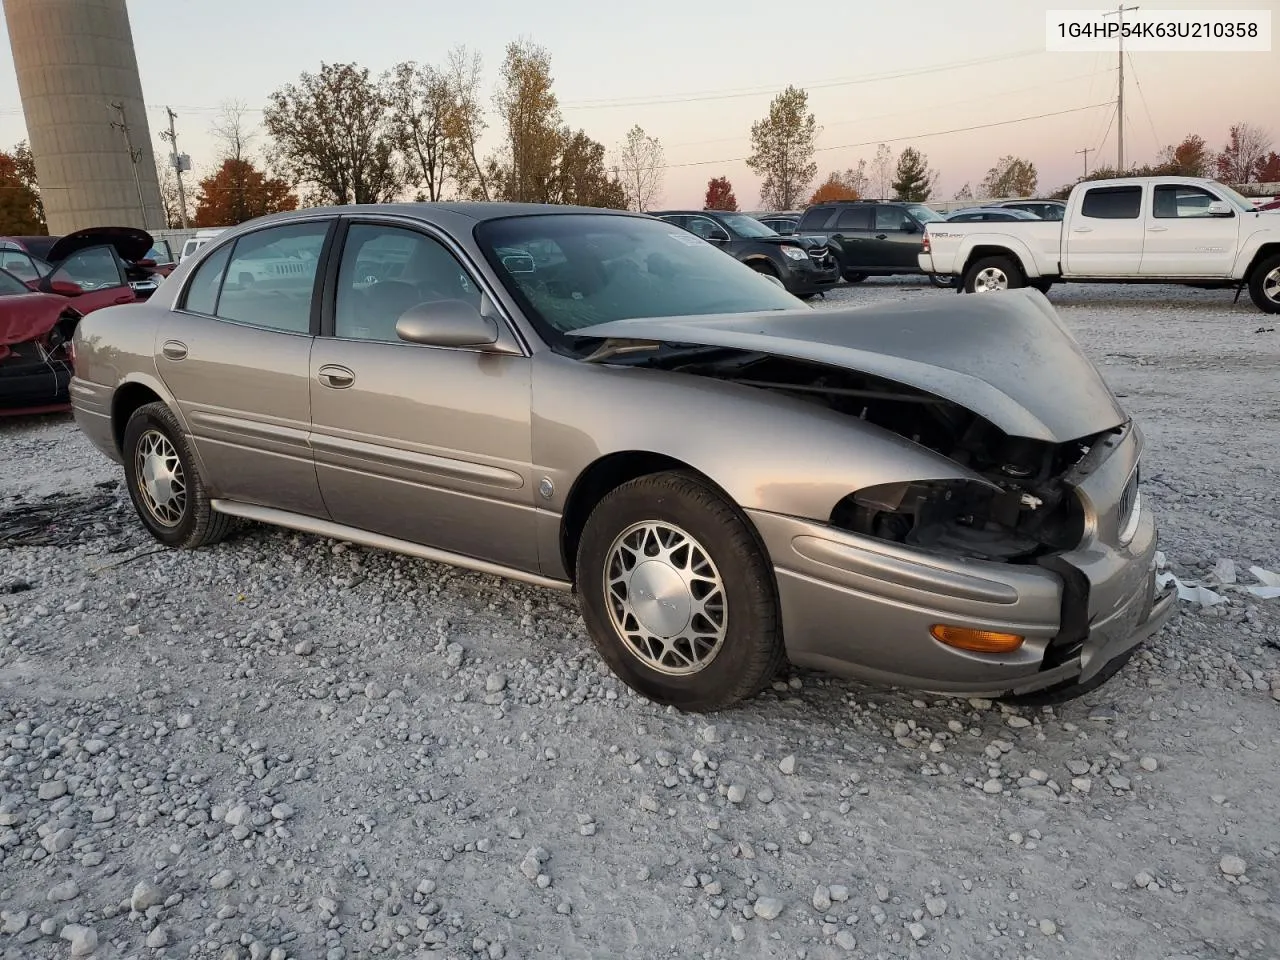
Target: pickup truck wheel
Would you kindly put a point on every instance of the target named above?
(992, 274)
(1264, 285)
(940, 280)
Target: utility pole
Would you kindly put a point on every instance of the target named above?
(1120, 12)
(1086, 151)
(134, 155)
(175, 161)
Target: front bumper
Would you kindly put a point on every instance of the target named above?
(34, 387)
(809, 279)
(861, 607)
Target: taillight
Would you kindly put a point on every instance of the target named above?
(924, 242)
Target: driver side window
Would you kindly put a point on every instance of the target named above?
(94, 269)
(385, 271)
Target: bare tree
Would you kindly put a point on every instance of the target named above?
(170, 198)
(1244, 154)
(234, 131)
(882, 172)
(640, 169)
(421, 103)
(465, 121)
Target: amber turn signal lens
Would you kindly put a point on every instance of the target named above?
(977, 641)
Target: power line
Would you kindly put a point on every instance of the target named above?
(918, 136)
(1155, 137)
(932, 107)
(733, 93)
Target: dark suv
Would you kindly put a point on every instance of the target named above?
(870, 238)
(805, 267)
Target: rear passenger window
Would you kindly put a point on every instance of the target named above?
(1112, 203)
(818, 218)
(202, 293)
(271, 276)
(891, 218)
(854, 218)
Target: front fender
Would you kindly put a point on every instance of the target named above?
(765, 450)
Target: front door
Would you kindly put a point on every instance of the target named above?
(426, 444)
(896, 239)
(1104, 238)
(1183, 240)
(235, 354)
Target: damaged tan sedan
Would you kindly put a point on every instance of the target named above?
(941, 494)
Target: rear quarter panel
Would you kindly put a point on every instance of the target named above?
(1035, 243)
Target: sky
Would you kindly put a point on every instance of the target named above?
(697, 75)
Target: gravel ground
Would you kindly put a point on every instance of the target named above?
(288, 747)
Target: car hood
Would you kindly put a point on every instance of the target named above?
(130, 242)
(1006, 357)
(27, 316)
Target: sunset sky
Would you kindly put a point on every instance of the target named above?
(696, 75)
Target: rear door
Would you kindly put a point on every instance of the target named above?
(100, 275)
(1182, 239)
(1104, 236)
(851, 235)
(895, 238)
(422, 443)
(235, 354)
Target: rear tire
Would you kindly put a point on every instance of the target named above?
(164, 484)
(854, 277)
(992, 274)
(678, 595)
(1264, 285)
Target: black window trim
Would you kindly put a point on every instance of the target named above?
(211, 248)
(121, 275)
(1114, 188)
(328, 299)
(1157, 187)
(869, 208)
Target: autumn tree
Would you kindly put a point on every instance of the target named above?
(1245, 153)
(640, 168)
(420, 102)
(331, 132)
(1269, 171)
(21, 213)
(26, 167)
(1190, 158)
(580, 176)
(782, 147)
(880, 181)
(525, 166)
(913, 180)
(1010, 177)
(719, 195)
(465, 122)
(834, 188)
(239, 191)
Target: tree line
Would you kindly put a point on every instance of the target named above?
(342, 135)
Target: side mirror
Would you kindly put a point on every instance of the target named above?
(446, 323)
(910, 227)
(1219, 208)
(718, 238)
(65, 288)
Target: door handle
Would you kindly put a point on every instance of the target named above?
(882, 236)
(1157, 229)
(1082, 230)
(125, 298)
(339, 378)
(174, 349)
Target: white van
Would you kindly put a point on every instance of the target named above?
(199, 240)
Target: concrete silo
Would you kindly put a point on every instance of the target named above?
(78, 79)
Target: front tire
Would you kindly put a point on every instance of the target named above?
(993, 274)
(854, 277)
(678, 595)
(164, 484)
(1264, 285)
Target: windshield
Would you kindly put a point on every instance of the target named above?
(9, 284)
(924, 214)
(745, 226)
(1239, 200)
(572, 271)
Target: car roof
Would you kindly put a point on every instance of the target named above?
(477, 210)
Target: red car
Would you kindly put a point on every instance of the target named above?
(136, 250)
(40, 305)
(1273, 205)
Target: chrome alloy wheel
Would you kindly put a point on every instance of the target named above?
(665, 597)
(1271, 286)
(990, 279)
(161, 481)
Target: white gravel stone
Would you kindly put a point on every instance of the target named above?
(736, 793)
(1232, 866)
(787, 764)
(839, 893)
(846, 941)
(158, 938)
(1048, 928)
(1149, 764)
(222, 879)
(768, 908)
(936, 906)
(917, 930)
(822, 898)
(66, 890)
(83, 940)
(145, 895)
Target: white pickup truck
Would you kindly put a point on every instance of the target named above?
(1185, 230)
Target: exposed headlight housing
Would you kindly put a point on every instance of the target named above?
(1129, 528)
(795, 253)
